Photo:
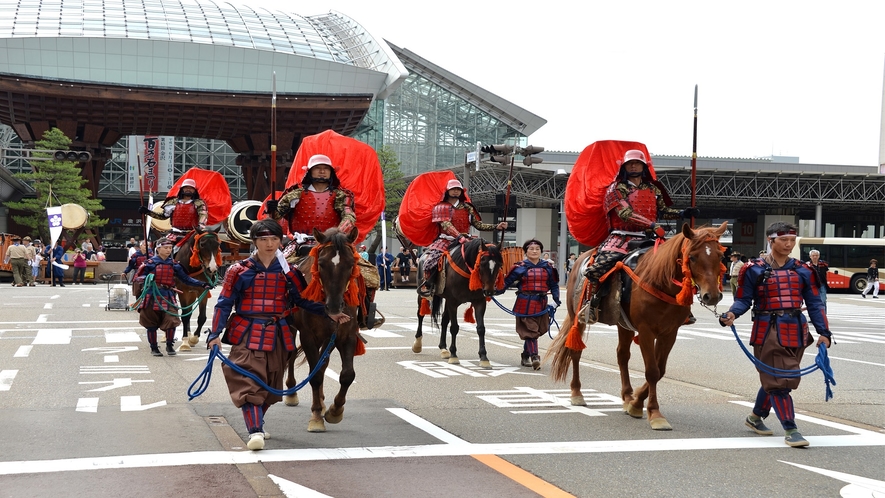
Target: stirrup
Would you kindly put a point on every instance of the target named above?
(588, 315)
(425, 289)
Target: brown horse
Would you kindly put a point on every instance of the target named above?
(199, 257)
(473, 272)
(331, 276)
(659, 304)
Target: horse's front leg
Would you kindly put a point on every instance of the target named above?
(655, 368)
(291, 381)
(345, 378)
(452, 315)
(443, 331)
(185, 330)
(201, 320)
(625, 342)
(317, 406)
(479, 310)
(419, 334)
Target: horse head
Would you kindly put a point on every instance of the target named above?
(335, 260)
(704, 254)
(487, 263)
(206, 249)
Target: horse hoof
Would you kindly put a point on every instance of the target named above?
(660, 424)
(184, 347)
(453, 360)
(334, 419)
(578, 401)
(316, 426)
(416, 346)
(291, 400)
(631, 410)
(485, 364)
(444, 354)
(193, 340)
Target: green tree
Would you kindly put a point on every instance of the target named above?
(62, 179)
(394, 188)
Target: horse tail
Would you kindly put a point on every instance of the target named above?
(562, 354)
(435, 308)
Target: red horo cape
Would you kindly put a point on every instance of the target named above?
(596, 168)
(357, 167)
(213, 190)
(425, 191)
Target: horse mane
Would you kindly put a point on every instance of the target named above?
(659, 266)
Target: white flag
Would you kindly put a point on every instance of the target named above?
(53, 213)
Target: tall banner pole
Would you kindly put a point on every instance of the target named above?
(145, 220)
(273, 139)
(694, 156)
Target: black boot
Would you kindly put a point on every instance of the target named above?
(155, 350)
(170, 349)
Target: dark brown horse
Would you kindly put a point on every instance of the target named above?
(473, 271)
(331, 272)
(199, 256)
(662, 292)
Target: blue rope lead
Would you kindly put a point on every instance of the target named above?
(550, 310)
(206, 375)
(821, 362)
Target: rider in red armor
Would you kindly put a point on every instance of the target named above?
(319, 202)
(774, 287)
(454, 215)
(632, 203)
(158, 309)
(186, 211)
(261, 291)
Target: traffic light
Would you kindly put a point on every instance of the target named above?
(500, 199)
(498, 153)
(77, 156)
(528, 151)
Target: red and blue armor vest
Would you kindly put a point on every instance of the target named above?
(185, 216)
(261, 298)
(776, 297)
(266, 297)
(165, 271)
(534, 281)
(314, 210)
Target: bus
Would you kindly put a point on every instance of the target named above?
(848, 258)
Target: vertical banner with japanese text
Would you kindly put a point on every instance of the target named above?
(157, 166)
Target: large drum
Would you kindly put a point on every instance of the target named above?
(242, 215)
(161, 226)
(73, 216)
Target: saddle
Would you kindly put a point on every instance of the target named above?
(615, 287)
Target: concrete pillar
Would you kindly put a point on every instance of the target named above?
(767, 219)
(537, 223)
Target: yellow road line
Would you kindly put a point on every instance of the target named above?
(524, 478)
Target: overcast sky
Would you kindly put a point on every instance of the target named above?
(795, 78)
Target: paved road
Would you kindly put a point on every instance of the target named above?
(88, 412)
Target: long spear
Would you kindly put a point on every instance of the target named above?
(273, 140)
(694, 155)
(507, 200)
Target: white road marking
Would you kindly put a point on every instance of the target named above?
(114, 369)
(53, 336)
(114, 384)
(112, 349)
(23, 352)
(295, 490)
(379, 334)
(857, 361)
(47, 306)
(88, 405)
(42, 319)
(6, 377)
(871, 486)
(129, 336)
(111, 358)
(133, 404)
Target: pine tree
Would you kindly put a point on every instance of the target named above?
(65, 182)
